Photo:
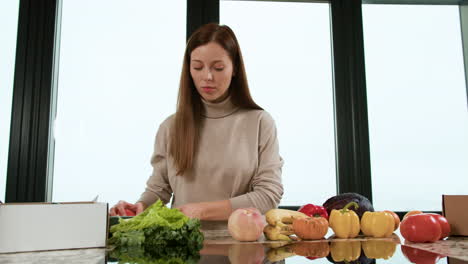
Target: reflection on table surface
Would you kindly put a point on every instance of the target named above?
(359, 250)
(77, 256)
(225, 250)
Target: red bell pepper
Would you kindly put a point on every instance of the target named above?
(421, 228)
(419, 256)
(314, 210)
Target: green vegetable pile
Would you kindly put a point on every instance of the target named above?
(158, 235)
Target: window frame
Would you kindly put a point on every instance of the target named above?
(28, 174)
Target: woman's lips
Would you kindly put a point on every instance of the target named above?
(208, 89)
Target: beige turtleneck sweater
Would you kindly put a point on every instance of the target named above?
(237, 160)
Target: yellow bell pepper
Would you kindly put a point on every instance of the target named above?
(345, 250)
(345, 222)
(379, 249)
(377, 224)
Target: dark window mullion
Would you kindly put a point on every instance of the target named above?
(27, 160)
(200, 12)
(28, 95)
(45, 99)
(34, 154)
(17, 108)
(352, 133)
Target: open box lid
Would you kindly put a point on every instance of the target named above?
(455, 210)
(52, 226)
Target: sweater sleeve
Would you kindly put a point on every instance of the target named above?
(266, 187)
(157, 186)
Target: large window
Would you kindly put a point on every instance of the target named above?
(418, 118)
(120, 63)
(288, 64)
(8, 27)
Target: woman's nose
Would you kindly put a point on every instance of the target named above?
(208, 75)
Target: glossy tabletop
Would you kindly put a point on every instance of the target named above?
(332, 250)
(219, 248)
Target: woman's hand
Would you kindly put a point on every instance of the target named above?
(211, 211)
(120, 209)
(192, 210)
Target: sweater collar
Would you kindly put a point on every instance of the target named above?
(218, 110)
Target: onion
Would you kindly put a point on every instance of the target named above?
(246, 224)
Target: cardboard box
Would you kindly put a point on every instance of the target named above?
(455, 209)
(456, 261)
(28, 227)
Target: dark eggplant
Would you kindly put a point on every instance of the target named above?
(339, 201)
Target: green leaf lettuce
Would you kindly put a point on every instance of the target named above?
(157, 234)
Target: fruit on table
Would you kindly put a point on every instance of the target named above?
(345, 222)
(378, 249)
(415, 255)
(246, 224)
(421, 228)
(310, 227)
(314, 210)
(377, 224)
(345, 250)
(281, 217)
(396, 218)
(414, 212)
(340, 200)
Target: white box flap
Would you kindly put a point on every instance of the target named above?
(34, 227)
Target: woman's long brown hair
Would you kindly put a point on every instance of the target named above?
(188, 118)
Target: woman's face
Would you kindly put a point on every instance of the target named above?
(212, 70)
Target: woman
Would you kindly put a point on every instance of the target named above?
(219, 151)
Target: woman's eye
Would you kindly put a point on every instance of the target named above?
(197, 68)
(219, 69)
